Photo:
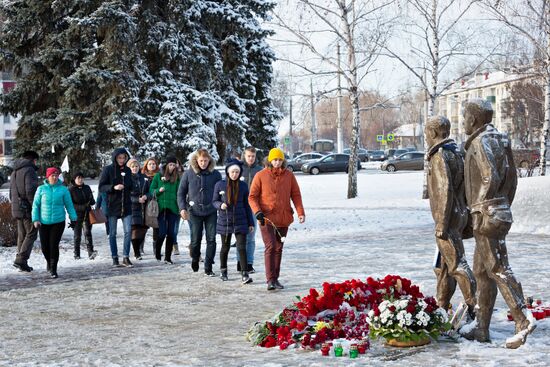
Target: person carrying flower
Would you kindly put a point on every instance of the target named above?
(165, 188)
(270, 194)
(48, 215)
(234, 215)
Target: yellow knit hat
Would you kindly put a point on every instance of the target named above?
(275, 153)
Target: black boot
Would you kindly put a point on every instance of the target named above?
(238, 266)
(127, 263)
(115, 262)
(53, 269)
(271, 286)
(245, 278)
(250, 269)
(158, 248)
(77, 252)
(224, 275)
(135, 246)
(278, 285)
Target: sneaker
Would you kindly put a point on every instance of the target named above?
(224, 275)
(23, 267)
(250, 269)
(115, 262)
(168, 262)
(210, 273)
(245, 278)
(127, 263)
(278, 285)
(195, 266)
(92, 255)
(271, 286)
(239, 266)
(176, 250)
(139, 258)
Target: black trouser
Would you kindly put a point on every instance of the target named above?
(226, 244)
(79, 226)
(26, 235)
(50, 236)
(138, 237)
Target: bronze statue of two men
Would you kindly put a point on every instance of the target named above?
(472, 198)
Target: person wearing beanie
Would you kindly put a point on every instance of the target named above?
(195, 195)
(270, 195)
(139, 194)
(165, 188)
(234, 215)
(50, 202)
(82, 198)
(23, 185)
(115, 181)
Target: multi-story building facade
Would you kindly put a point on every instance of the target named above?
(8, 125)
(493, 87)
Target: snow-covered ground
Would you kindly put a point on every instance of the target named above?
(155, 314)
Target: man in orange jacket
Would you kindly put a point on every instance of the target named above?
(270, 195)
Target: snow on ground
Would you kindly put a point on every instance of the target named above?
(155, 314)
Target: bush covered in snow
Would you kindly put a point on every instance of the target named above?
(8, 225)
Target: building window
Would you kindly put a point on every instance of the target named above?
(7, 119)
(8, 147)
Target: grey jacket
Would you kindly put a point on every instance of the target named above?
(249, 172)
(23, 185)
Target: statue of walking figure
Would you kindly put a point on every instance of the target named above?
(490, 182)
(450, 214)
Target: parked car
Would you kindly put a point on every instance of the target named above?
(376, 155)
(406, 161)
(329, 163)
(394, 153)
(526, 158)
(362, 154)
(296, 163)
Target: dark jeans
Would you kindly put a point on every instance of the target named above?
(226, 244)
(273, 252)
(208, 223)
(167, 223)
(85, 225)
(26, 235)
(50, 236)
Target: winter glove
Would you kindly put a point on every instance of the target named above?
(72, 224)
(261, 218)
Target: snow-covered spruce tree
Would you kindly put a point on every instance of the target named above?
(210, 68)
(73, 62)
(153, 76)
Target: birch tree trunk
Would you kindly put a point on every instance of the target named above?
(546, 125)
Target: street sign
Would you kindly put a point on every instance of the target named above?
(383, 142)
(287, 140)
(390, 137)
(379, 137)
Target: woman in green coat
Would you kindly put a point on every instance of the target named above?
(165, 188)
(48, 215)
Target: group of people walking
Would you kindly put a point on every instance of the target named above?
(231, 207)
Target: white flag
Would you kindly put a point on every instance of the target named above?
(65, 165)
(53, 149)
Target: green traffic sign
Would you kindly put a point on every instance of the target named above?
(390, 137)
(287, 140)
(379, 137)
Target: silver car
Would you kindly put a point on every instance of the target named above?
(406, 161)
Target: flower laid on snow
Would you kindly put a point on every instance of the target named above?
(353, 310)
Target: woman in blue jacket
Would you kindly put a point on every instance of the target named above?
(234, 215)
(48, 215)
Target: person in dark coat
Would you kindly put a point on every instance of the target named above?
(250, 169)
(139, 193)
(23, 185)
(83, 199)
(149, 170)
(116, 181)
(234, 215)
(195, 203)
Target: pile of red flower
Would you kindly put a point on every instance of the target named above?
(338, 311)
